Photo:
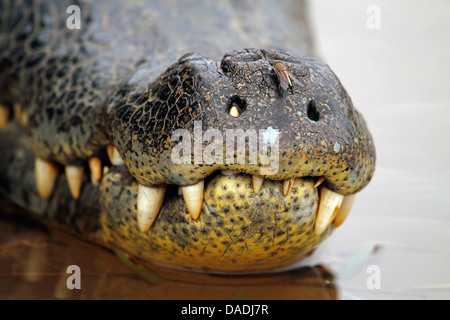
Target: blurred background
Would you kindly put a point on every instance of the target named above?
(395, 67)
(392, 57)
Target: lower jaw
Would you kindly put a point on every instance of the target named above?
(237, 230)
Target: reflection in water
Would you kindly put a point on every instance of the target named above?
(34, 261)
(355, 263)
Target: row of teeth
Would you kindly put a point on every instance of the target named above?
(333, 207)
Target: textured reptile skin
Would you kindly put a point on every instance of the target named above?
(134, 74)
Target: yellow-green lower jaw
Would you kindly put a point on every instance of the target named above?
(237, 230)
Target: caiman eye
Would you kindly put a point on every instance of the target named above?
(236, 106)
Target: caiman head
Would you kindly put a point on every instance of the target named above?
(232, 165)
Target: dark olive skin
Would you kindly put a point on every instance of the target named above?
(134, 74)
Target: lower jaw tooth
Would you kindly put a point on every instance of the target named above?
(329, 203)
(114, 156)
(46, 174)
(74, 176)
(344, 210)
(287, 184)
(149, 202)
(193, 197)
(257, 183)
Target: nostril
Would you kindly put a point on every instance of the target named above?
(312, 112)
(236, 106)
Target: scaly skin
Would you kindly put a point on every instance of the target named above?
(127, 79)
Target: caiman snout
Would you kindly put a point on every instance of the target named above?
(258, 153)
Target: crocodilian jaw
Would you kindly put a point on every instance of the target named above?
(333, 207)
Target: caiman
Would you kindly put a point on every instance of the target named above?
(202, 135)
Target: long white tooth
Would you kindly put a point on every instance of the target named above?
(193, 197)
(287, 184)
(45, 174)
(114, 156)
(74, 176)
(257, 183)
(329, 204)
(4, 115)
(344, 210)
(149, 202)
(95, 165)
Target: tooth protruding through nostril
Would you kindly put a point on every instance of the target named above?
(193, 198)
(234, 112)
(329, 204)
(149, 202)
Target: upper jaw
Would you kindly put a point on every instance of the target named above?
(313, 127)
